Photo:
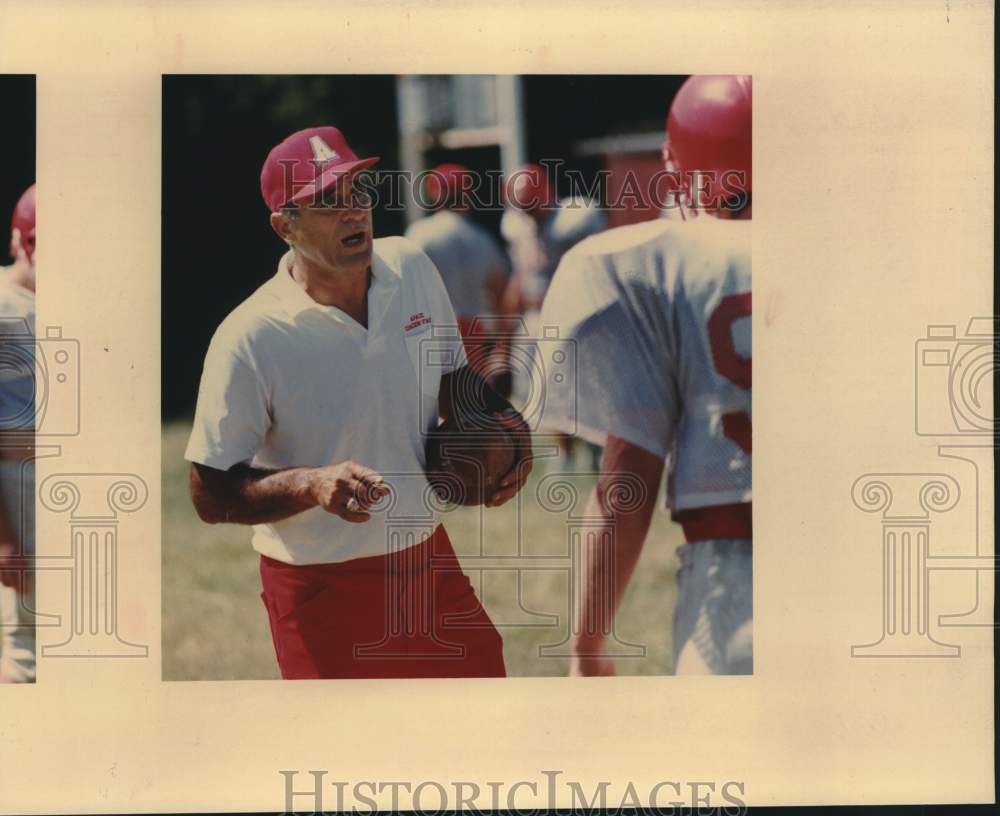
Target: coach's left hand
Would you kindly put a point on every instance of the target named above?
(515, 478)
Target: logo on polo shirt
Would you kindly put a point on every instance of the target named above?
(416, 321)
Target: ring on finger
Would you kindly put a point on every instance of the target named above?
(352, 505)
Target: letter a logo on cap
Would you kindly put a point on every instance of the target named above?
(322, 152)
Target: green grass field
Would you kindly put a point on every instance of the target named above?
(215, 626)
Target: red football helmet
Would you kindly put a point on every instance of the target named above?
(22, 225)
(528, 188)
(445, 184)
(709, 140)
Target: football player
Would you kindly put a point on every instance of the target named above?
(659, 313)
(17, 415)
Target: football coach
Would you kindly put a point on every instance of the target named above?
(312, 389)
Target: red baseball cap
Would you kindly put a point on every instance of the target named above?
(305, 164)
(22, 225)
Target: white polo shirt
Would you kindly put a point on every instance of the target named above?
(289, 382)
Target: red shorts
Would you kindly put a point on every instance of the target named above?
(409, 614)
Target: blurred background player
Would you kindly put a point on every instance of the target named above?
(17, 493)
(472, 266)
(539, 229)
(660, 313)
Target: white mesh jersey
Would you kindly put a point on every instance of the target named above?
(655, 320)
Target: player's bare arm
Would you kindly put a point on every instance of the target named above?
(247, 495)
(464, 391)
(596, 609)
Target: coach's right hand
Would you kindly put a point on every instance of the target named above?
(347, 489)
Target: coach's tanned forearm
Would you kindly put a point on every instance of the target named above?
(246, 495)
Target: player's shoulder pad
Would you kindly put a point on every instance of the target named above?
(620, 239)
(718, 237)
(578, 216)
(587, 258)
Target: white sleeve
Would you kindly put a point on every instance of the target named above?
(232, 416)
(618, 376)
